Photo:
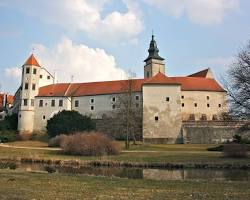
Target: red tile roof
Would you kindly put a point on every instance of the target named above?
(114, 87)
(32, 61)
(10, 99)
(202, 73)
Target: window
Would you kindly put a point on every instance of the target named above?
(219, 105)
(26, 86)
(167, 98)
(76, 103)
(32, 102)
(60, 103)
(207, 97)
(195, 104)
(92, 107)
(27, 70)
(41, 76)
(147, 74)
(113, 106)
(40, 103)
(44, 117)
(156, 118)
(48, 77)
(92, 100)
(34, 71)
(182, 104)
(53, 103)
(33, 86)
(20, 116)
(182, 97)
(25, 102)
(113, 99)
(208, 105)
(137, 97)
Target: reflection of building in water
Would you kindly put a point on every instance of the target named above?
(159, 174)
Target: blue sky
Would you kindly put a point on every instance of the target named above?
(95, 40)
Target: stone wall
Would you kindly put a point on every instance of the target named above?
(211, 132)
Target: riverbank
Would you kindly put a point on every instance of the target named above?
(140, 156)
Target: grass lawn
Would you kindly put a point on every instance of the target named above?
(173, 153)
(26, 185)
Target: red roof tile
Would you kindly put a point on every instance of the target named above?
(114, 87)
(202, 73)
(32, 61)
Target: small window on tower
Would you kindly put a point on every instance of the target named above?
(41, 76)
(92, 107)
(32, 102)
(113, 99)
(195, 104)
(182, 104)
(34, 71)
(44, 117)
(208, 105)
(33, 86)
(27, 70)
(26, 86)
(219, 105)
(137, 97)
(207, 97)
(25, 102)
(156, 118)
(113, 107)
(182, 97)
(167, 98)
(48, 77)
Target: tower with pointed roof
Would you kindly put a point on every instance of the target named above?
(29, 89)
(154, 62)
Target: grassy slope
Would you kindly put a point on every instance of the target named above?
(24, 185)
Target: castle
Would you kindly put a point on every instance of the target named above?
(166, 102)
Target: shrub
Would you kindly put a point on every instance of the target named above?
(8, 136)
(68, 122)
(218, 148)
(89, 144)
(56, 141)
(9, 123)
(235, 150)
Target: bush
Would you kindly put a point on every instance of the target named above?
(235, 150)
(9, 123)
(89, 144)
(8, 136)
(218, 148)
(68, 122)
(56, 141)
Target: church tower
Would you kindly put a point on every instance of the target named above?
(29, 89)
(154, 63)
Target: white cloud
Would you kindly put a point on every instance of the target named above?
(78, 60)
(13, 72)
(85, 15)
(203, 12)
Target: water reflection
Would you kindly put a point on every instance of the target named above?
(152, 174)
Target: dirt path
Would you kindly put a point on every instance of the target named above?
(35, 148)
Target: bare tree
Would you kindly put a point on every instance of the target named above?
(129, 111)
(238, 84)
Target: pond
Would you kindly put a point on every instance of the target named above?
(139, 173)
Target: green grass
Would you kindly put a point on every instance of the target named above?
(25, 185)
(137, 153)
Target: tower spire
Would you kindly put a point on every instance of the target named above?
(153, 50)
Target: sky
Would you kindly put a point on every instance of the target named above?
(99, 40)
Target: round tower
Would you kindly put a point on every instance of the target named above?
(154, 62)
(29, 89)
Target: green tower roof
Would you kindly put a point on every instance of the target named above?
(153, 51)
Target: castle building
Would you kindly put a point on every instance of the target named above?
(166, 101)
